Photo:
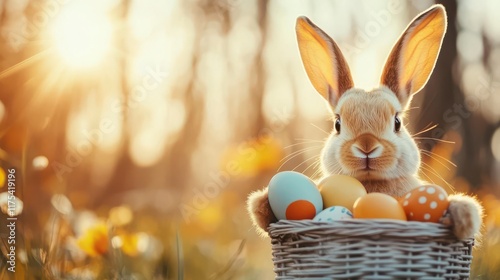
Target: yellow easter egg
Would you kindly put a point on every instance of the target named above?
(340, 190)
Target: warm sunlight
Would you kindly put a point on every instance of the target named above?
(174, 139)
(82, 37)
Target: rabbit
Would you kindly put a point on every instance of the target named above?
(369, 140)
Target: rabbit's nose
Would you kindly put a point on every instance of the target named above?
(372, 152)
(367, 146)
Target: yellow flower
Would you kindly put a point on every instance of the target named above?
(253, 156)
(128, 243)
(95, 240)
(2, 177)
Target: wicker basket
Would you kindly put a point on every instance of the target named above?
(368, 249)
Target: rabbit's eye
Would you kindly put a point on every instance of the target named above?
(397, 123)
(337, 124)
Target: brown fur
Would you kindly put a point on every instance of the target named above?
(466, 215)
(369, 141)
(374, 107)
(368, 119)
(260, 210)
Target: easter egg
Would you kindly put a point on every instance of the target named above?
(333, 213)
(425, 204)
(293, 196)
(340, 190)
(378, 206)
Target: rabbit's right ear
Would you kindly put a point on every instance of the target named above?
(323, 61)
(413, 57)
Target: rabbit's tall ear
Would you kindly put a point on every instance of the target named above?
(414, 56)
(323, 61)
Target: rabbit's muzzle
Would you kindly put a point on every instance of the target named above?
(369, 154)
(367, 147)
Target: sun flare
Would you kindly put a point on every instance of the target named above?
(82, 38)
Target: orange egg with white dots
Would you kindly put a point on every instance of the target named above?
(425, 204)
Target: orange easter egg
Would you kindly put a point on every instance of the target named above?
(425, 204)
(378, 206)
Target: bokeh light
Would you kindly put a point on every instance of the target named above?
(62, 204)
(40, 163)
(10, 205)
(82, 35)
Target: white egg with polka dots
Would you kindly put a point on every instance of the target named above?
(333, 213)
(425, 204)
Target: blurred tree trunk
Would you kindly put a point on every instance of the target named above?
(257, 92)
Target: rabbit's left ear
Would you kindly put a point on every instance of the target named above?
(414, 56)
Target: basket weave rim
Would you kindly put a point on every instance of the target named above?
(362, 227)
(368, 249)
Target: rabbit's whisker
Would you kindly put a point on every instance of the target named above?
(306, 160)
(434, 172)
(307, 140)
(437, 158)
(428, 128)
(296, 154)
(320, 129)
(302, 143)
(411, 108)
(445, 159)
(316, 173)
(436, 139)
(427, 176)
(318, 170)
(300, 151)
(315, 163)
(337, 170)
